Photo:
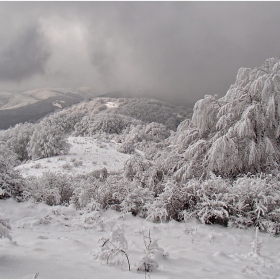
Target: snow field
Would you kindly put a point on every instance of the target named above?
(60, 242)
(86, 155)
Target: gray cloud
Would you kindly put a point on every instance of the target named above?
(24, 57)
(178, 51)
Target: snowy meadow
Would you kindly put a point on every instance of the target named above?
(138, 188)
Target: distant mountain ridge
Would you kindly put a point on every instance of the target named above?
(29, 106)
(32, 105)
(15, 100)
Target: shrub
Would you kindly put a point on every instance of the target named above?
(113, 249)
(5, 229)
(51, 188)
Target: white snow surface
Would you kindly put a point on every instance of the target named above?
(90, 152)
(57, 105)
(111, 105)
(60, 242)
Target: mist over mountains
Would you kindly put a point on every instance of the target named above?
(172, 51)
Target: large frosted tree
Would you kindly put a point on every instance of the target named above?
(238, 133)
(47, 140)
(11, 182)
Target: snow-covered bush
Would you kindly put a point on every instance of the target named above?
(126, 148)
(98, 187)
(256, 244)
(51, 188)
(84, 192)
(47, 140)
(174, 200)
(255, 201)
(135, 199)
(115, 192)
(144, 173)
(5, 229)
(245, 202)
(113, 250)
(145, 133)
(152, 254)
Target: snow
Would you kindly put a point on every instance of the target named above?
(111, 104)
(57, 105)
(60, 242)
(88, 151)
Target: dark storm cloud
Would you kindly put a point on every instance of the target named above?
(24, 57)
(178, 51)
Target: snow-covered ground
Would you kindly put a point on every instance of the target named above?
(60, 242)
(86, 154)
(111, 104)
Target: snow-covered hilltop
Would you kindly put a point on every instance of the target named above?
(210, 181)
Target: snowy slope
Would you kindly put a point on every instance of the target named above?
(86, 155)
(60, 242)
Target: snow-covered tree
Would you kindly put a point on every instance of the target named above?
(237, 133)
(66, 120)
(47, 140)
(11, 182)
(17, 139)
(104, 123)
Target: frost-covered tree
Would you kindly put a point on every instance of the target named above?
(237, 133)
(66, 120)
(152, 111)
(104, 123)
(11, 182)
(47, 140)
(17, 139)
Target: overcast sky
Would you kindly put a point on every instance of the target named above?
(175, 50)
